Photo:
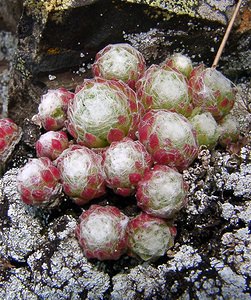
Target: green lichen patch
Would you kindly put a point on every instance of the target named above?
(178, 7)
(212, 10)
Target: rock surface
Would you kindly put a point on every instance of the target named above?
(40, 257)
(56, 47)
(10, 13)
(211, 258)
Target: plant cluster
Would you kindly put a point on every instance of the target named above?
(133, 130)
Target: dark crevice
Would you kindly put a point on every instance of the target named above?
(18, 264)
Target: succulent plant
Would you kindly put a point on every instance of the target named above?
(81, 174)
(149, 237)
(52, 110)
(169, 137)
(119, 62)
(51, 144)
(10, 135)
(105, 116)
(103, 111)
(162, 192)
(125, 163)
(164, 88)
(211, 91)
(180, 62)
(102, 232)
(38, 183)
(206, 128)
(228, 130)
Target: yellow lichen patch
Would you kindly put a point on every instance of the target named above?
(53, 51)
(35, 7)
(51, 5)
(157, 13)
(178, 7)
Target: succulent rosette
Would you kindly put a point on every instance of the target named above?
(51, 144)
(10, 135)
(228, 130)
(103, 111)
(149, 237)
(169, 137)
(119, 62)
(38, 183)
(162, 192)
(164, 88)
(81, 174)
(52, 110)
(125, 163)
(211, 91)
(180, 62)
(102, 232)
(206, 128)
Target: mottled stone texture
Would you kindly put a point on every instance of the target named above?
(10, 13)
(58, 40)
(40, 257)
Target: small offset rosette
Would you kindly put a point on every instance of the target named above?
(164, 88)
(81, 174)
(149, 237)
(125, 164)
(180, 62)
(38, 183)
(228, 130)
(169, 137)
(52, 110)
(51, 144)
(162, 192)
(211, 91)
(206, 128)
(103, 111)
(119, 62)
(102, 232)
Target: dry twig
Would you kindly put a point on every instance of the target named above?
(226, 35)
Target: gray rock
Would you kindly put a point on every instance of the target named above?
(55, 49)
(210, 259)
(10, 13)
(16, 243)
(40, 257)
(8, 42)
(51, 263)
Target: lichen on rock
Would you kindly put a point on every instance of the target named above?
(40, 253)
(178, 7)
(216, 10)
(15, 215)
(41, 258)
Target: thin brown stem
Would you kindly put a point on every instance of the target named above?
(226, 35)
